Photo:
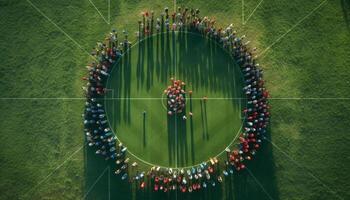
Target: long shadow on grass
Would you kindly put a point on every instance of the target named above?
(210, 193)
(206, 65)
(171, 140)
(193, 158)
(258, 181)
(177, 140)
(182, 140)
(204, 117)
(144, 129)
(150, 63)
(100, 180)
(119, 87)
(345, 4)
(140, 63)
(201, 62)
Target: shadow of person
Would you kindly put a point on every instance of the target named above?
(192, 134)
(345, 4)
(258, 181)
(204, 118)
(150, 63)
(100, 180)
(144, 128)
(171, 139)
(181, 134)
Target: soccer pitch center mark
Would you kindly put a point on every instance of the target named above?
(108, 98)
(252, 74)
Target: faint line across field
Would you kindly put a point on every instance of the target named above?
(98, 11)
(53, 171)
(59, 28)
(96, 181)
(251, 14)
(306, 169)
(242, 3)
(258, 182)
(160, 98)
(293, 27)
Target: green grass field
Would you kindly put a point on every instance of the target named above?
(137, 83)
(304, 50)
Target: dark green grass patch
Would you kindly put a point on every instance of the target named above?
(137, 83)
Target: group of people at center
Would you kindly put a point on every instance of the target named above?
(209, 173)
(176, 97)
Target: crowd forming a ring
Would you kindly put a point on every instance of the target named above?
(209, 173)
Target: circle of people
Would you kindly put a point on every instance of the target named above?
(207, 174)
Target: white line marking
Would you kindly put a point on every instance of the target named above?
(310, 98)
(306, 169)
(59, 28)
(109, 12)
(258, 182)
(107, 21)
(98, 178)
(292, 28)
(109, 183)
(42, 98)
(185, 167)
(58, 167)
(251, 14)
(243, 12)
(160, 98)
(60, 53)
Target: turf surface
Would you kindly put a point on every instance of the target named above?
(42, 154)
(137, 83)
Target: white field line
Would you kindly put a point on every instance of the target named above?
(96, 181)
(177, 150)
(242, 12)
(109, 12)
(251, 14)
(306, 169)
(258, 182)
(57, 168)
(292, 28)
(160, 98)
(109, 183)
(107, 21)
(59, 28)
(310, 98)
